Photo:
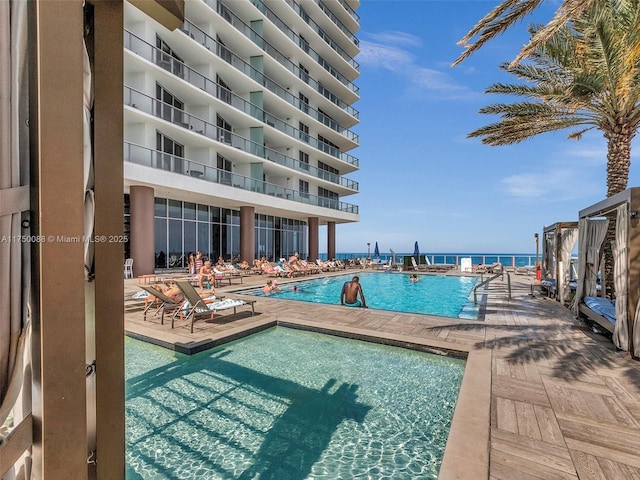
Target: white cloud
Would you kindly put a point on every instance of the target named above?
(554, 183)
(383, 56)
(422, 81)
(393, 37)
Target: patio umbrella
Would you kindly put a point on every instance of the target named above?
(416, 251)
(376, 251)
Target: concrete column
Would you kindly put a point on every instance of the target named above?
(313, 238)
(109, 434)
(247, 234)
(331, 239)
(57, 214)
(142, 230)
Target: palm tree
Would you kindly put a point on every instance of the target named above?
(586, 76)
(510, 12)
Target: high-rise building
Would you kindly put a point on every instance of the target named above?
(238, 128)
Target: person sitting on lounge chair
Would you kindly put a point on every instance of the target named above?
(350, 292)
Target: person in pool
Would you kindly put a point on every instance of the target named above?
(270, 287)
(414, 278)
(350, 292)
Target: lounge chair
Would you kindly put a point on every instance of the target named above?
(161, 303)
(416, 266)
(197, 308)
(599, 310)
(232, 303)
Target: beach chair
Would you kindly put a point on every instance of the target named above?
(161, 303)
(197, 308)
(416, 266)
(232, 303)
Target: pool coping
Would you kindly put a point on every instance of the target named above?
(466, 453)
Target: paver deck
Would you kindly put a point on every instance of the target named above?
(543, 397)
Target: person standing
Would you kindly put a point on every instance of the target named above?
(198, 262)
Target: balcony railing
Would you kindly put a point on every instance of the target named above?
(157, 108)
(289, 33)
(190, 29)
(303, 14)
(165, 111)
(178, 165)
(338, 23)
(304, 45)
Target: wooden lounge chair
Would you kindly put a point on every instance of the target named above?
(161, 303)
(198, 307)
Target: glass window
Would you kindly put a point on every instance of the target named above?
(215, 214)
(189, 211)
(175, 239)
(204, 237)
(160, 240)
(203, 213)
(175, 208)
(189, 238)
(160, 207)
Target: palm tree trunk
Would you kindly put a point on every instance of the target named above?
(618, 162)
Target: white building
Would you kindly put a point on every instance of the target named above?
(238, 128)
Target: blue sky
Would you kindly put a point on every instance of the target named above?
(420, 177)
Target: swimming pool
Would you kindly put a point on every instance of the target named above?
(264, 407)
(444, 295)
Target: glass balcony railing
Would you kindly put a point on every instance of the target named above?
(304, 45)
(328, 40)
(178, 165)
(173, 65)
(338, 23)
(194, 32)
(165, 111)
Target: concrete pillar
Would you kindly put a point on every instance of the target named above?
(313, 238)
(247, 234)
(142, 230)
(331, 239)
(58, 280)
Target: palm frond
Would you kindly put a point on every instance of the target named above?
(494, 23)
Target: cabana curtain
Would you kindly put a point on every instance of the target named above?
(620, 274)
(549, 247)
(14, 196)
(568, 241)
(590, 236)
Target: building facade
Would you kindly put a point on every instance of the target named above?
(238, 128)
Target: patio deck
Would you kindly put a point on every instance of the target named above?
(543, 397)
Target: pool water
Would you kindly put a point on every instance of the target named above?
(444, 295)
(266, 407)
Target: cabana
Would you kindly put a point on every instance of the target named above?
(624, 209)
(558, 241)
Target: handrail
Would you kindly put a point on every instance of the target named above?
(493, 277)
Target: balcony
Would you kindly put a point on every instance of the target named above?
(159, 109)
(202, 38)
(181, 166)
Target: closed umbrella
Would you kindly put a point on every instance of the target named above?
(416, 252)
(376, 251)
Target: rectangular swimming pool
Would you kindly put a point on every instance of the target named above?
(444, 295)
(286, 404)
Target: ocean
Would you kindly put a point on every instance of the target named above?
(506, 259)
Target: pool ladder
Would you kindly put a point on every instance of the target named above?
(485, 282)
